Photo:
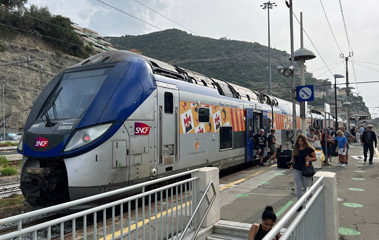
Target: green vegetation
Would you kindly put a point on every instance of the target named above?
(11, 201)
(5, 170)
(8, 171)
(4, 161)
(39, 23)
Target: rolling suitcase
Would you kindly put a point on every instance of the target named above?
(283, 158)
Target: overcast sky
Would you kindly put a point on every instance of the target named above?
(245, 20)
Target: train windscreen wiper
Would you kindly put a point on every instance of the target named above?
(45, 113)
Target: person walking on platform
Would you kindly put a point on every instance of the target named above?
(350, 139)
(328, 150)
(260, 143)
(271, 140)
(368, 138)
(258, 231)
(302, 155)
(342, 148)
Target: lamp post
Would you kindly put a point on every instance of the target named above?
(269, 5)
(302, 55)
(335, 97)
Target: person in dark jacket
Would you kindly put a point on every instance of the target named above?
(368, 139)
(260, 144)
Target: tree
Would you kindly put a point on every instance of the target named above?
(10, 4)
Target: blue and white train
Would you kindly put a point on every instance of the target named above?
(119, 118)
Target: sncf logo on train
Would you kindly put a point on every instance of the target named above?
(141, 129)
(41, 142)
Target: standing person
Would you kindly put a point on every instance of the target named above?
(315, 141)
(350, 139)
(361, 130)
(271, 140)
(368, 138)
(258, 231)
(353, 132)
(310, 134)
(261, 144)
(302, 155)
(342, 148)
(328, 150)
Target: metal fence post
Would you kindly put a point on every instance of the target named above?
(331, 205)
(206, 175)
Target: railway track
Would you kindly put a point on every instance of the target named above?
(9, 189)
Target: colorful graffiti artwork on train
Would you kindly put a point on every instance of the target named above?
(219, 116)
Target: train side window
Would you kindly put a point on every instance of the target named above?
(250, 126)
(168, 103)
(204, 115)
(226, 138)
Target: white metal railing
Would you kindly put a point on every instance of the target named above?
(160, 213)
(210, 203)
(310, 222)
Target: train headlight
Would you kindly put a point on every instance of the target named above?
(86, 135)
(20, 146)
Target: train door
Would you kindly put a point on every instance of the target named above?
(257, 125)
(257, 122)
(168, 126)
(249, 135)
(266, 123)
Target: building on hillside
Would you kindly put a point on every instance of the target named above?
(93, 39)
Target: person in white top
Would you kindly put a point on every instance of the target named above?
(315, 140)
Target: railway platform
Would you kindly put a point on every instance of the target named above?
(244, 198)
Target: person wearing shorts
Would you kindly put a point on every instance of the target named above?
(271, 140)
(342, 148)
(260, 143)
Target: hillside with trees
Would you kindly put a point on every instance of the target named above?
(242, 63)
(40, 24)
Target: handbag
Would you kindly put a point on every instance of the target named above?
(308, 171)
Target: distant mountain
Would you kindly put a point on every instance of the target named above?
(239, 62)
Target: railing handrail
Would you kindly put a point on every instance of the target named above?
(197, 208)
(89, 199)
(91, 210)
(299, 217)
(287, 217)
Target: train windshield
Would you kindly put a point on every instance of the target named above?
(74, 94)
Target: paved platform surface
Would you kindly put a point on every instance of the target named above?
(245, 198)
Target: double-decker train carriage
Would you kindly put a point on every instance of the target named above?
(119, 118)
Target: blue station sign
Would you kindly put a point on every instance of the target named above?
(305, 93)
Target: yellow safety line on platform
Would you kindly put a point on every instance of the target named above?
(377, 153)
(140, 223)
(247, 178)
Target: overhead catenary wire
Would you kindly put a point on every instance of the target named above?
(321, 68)
(318, 85)
(366, 62)
(314, 46)
(166, 17)
(334, 37)
(130, 15)
(340, 63)
(344, 23)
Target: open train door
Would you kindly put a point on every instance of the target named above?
(168, 105)
(249, 134)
